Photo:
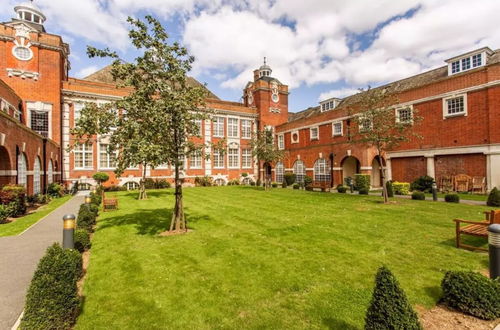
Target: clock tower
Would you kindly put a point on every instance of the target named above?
(269, 96)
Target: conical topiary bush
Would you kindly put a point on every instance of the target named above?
(493, 197)
(389, 308)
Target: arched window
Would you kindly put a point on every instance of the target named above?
(321, 170)
(50, 173)
(21, 170)
(299, 171)
(36, 177)
(280, 171)
(219, 182)
(131, 185)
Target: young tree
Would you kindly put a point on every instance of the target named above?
(378, 125)
(159, 115)
(266, 151)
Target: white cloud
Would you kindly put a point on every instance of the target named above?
(338, 93)
(87, 71)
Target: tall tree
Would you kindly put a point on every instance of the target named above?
(381, 124)
(265, 150)
(159, 115)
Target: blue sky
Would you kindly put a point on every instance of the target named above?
(320, 48)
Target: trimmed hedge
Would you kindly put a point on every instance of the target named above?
(418, 195)
(289, 178)
(423, 183)
(296, 186)
(472, 293)
(274, 185)
(341, 189)
(86, 218)
(390, 191)
(493, 197)
(389, 307)
(52, 301)
(452, 198)
(363, 191)
(82, 240)
(15, 197)
(401, 188)
(362, 182)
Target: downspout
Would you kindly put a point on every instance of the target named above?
(60, 168)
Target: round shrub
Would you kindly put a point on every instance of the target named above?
(100, 177)
(289, 178)
(296, 186)
(493, 197)
(307, 181)
(452, 198)
(274, 185)
(341, 189)
(52, 301)
(361, 182)
(363, 191)
(15, 197)
(418, 195)
(389, 307)
(55, 190)
(82, 240)
(472, 293)
(96, 198)
(252, 183)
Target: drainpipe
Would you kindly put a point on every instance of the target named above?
(44, 165)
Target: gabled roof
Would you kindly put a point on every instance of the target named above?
(104, 76)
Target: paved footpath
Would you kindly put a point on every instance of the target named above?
(19, 257)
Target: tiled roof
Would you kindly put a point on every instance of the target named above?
(104, 76)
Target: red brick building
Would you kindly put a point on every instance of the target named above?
(459, 103)
(460, 107)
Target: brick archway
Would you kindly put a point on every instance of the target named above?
(350, 167)
(6, 176)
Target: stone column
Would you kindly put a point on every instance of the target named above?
(388, 169)
(66, 141)
(493, 170)
(431, 170)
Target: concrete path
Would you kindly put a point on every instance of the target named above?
(19, 257)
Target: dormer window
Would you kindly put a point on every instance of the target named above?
(329, 104)
(468, 61)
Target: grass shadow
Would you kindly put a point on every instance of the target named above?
(148, 222)
(434, 292)
(338, 324)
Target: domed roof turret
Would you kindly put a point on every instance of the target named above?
(28, 11)
(265, 70)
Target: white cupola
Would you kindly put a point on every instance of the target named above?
(29, 12)
(265, 70)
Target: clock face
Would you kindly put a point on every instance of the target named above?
(250, 98)
(275, 98)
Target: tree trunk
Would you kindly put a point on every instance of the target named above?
(142, 186)
(382, 174)
(178, 223)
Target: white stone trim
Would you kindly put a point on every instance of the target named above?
(8, 173)
(445, 106)
(23, 74)
(477, 149)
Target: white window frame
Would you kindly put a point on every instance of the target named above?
(77, 111)
(321, 171)
(281, 142)
(218, 159)
(85, 155)
(233, 158)
(50, 172)
(461, 63)
(299, 169)
(246, 158)
(108, 158)
(22, 170)
(311, 129)
(195, 161)
(37, 177)
(246, 129)
(362, 127)
(279, 172)
(233, 127)
(445, 106)
(398, 116)
(40, 107)
(199, 124)
(341, 128)
(292, 140)
(219, 123)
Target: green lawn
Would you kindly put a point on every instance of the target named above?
(284, 259)
(22, 223)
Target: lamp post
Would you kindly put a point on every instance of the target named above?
(494, 250)
(434, 191)
(69, 225)
(88, 199)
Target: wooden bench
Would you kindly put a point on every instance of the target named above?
(109, 203)
(323, 185)
(475, 228)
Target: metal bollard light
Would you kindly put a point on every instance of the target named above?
(434, 191)
(88, 199)
(494, 250)
(69, 225)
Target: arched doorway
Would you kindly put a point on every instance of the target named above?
(350, 167)
(268, 170)
(376, 176)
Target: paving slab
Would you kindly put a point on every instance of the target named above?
(20, 255)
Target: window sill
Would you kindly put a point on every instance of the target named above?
(461, 114)
(83, 169)
(337, 135)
